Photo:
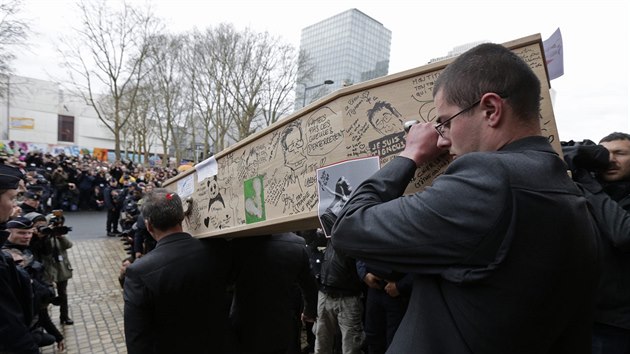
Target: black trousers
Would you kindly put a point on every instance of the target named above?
(112, 220)
(383, 314)
(62, 292)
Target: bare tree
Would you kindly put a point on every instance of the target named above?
(210, 71)
(256, 74)
(283, 74)
(13, 32)
(166, 85)
(139, 127)
(246, 81)
(106, 58)
(241, 82)
(197, 69)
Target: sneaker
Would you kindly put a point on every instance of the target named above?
(67, 321)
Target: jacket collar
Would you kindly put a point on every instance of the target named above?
(178, 236)
(539, 143)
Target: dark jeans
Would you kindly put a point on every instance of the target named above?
(610, 340)
(84, 199)
(112, 220)
(383, 314)
(47, 324)
(57, 198)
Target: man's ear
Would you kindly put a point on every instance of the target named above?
(148, 225)
(493, 106)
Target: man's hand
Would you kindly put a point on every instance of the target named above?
(392, 290)
(372, 281)
(61, 346)
(307, 319)
(17, 211)
(421, 146)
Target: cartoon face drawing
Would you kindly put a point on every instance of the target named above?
(385, 118)
(292, 144)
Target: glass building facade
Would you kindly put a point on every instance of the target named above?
(347, 48)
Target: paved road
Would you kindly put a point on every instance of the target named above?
(86, 225)
(94, 294)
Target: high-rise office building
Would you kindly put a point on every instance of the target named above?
(346, 49)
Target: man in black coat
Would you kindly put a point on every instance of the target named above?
(175, 295)
(268, 267)
(502, 247)
(603, 172)
(113, 204)
(30, 203)
(15, 288)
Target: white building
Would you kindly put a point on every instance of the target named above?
(40, 115)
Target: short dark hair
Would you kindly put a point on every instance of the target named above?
(491, 67)
(615, 136)
(162, 209)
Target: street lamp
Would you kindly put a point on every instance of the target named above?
(327, 82)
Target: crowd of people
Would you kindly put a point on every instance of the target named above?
(74, 183)
(37, 236)
(506, 252)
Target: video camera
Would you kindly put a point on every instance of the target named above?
(55, 225)
(585, 155)
(54, 230)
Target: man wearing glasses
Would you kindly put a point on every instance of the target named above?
(502, 246)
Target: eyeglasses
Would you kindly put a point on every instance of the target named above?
(447, 123)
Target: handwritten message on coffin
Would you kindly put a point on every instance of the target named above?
(268, 182)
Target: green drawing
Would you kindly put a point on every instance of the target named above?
(254, 200)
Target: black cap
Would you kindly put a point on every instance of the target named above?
(9, 177)
(31, 195)
(35, 217)
(19, 223)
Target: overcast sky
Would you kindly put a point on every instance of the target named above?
(591, 99)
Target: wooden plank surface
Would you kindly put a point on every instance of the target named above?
(267, 182)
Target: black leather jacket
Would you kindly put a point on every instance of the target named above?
(339, 274)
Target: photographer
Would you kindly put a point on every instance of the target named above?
(59, 181)
(17, 245)
(85, 181)
(97, 199)
(143, 243)
(30, 202)
(129, 214)
(113, 204)
(603, 173)
(57, 265)
(70, 198)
